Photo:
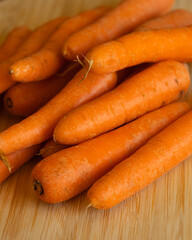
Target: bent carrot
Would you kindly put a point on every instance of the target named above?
(158, 85)
(26, 98)
(174, 19)
(32, 44)
(119, 21)
(50, 148)
(13, 40)
(39, 127)
(71, 171)
(49, 59)
(16, 160)
(139, 47)
(160, 154)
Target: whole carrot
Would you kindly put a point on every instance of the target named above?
(139, 47)
(70, 171)
(13, 40)
(32, 44)
(39, 127)
(49, 59)
(158, 85)
(119, 21)
(50, 148)
(160, 154)
(16, 160)
(26, 98)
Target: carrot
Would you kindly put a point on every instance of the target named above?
(16, 160)
(32, 44)
(70, 171)
(50, 148)
(49, 59)
(119, 21)
(39, 127)
(159, 84)
(139, 47)
(26, 98)
(174, 19)
(160, 154)
(13, 40)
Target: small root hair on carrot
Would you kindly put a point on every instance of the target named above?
(9, 103)
(5, 161)
(38, 187)
(90, 205)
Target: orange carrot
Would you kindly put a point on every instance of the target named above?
(16, 160)
(49, 59)
(159, 84)
(160, 154)
(13, 40)
(32, 44)
(26, 98)
(174, 19)
(50, 148)
(119, 21)
(139, 47)
(69, 172)
(39, 127)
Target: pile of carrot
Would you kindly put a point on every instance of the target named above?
(101, 97)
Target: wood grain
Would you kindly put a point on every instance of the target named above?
(161, 211)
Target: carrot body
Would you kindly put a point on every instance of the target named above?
(26, 98)
(50, 148)
(71, 171)
(39, 127)
(139, 47)
(119, 21)
(32, 44)
(49, 59)
(13, 41)
(16, 160)
(159, 84)
(160, 154)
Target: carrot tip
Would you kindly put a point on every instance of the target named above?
(9, 103)
(5, 161)
(38, 187)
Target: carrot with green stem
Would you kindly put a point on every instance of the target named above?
(159, 155)
(67, 173)
(50, 148)
(49, 59)
(32, 44)
(117, 22)
(157, 85)
(13, 40)
(140, 47)
(24, 99)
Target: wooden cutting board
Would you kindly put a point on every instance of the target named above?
(161, 211)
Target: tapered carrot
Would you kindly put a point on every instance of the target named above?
(16, 160)
(174, 19)
(139, 47)
(50, 148)
(49, 59)
(26, 98)
(13, 40)
(39, 127)
(69, 172)
(160, 154)
(159, 84)
(119, 21)
(32, 44)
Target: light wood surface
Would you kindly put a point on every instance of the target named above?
(161, 211)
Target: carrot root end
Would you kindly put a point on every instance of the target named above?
(5, 161)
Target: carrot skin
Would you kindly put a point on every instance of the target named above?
(159, 155)
(50, 148)
(69, 172)
(146, 91)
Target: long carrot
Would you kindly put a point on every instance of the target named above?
(50, 148)
(49, 59)
(39, 127)
(139, 47)
(26, 98)
(119, 21)
(160, 154)
(16, 160)
(32, 44)
(159, 84)
(69, 172)
(13, 40)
